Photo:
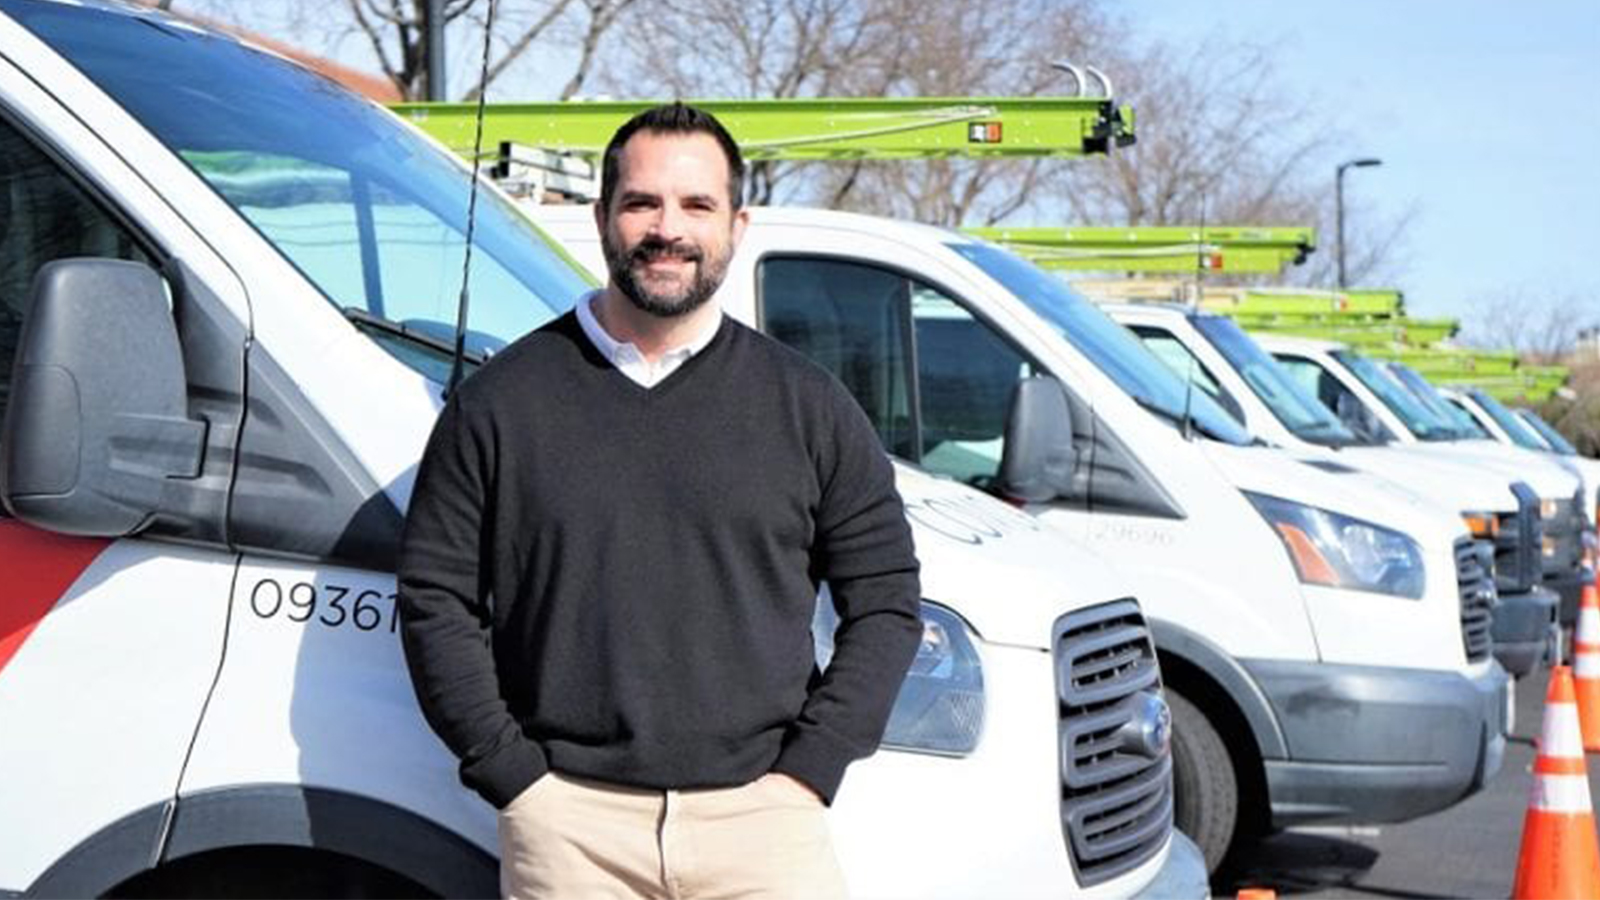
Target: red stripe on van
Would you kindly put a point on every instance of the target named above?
(36, 569)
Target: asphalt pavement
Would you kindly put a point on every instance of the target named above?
(1468, 850)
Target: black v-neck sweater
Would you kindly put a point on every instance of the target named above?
(618, 582)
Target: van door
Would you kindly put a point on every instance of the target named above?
(107, 647)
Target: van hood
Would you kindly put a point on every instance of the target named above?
(1006, 573)
(1339, 488)
(1451, 484)
(1548, 478)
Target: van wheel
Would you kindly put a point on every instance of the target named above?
(1206, 805)
(263, 872)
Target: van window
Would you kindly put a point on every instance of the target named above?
(851, 320)
(1293, 404)
(1334, 395)
(1110, 347)
(966, 375)
(1520, 432)
(871, 327)
(44, 215)
(1186, 365)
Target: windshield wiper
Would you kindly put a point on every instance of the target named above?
(423, 337)
(1437, 433)
(1328, 434)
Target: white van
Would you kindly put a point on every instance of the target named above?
(1326, 647)
(225, 306)
(1501, 512)
(1371, 401)
(1522, 428)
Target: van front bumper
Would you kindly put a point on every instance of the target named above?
(1525, 631)
(1379, 744)
(1182, 875)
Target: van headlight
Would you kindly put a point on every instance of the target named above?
(941, 704)
(1337, 551)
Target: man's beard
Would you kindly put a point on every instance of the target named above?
(624, 265)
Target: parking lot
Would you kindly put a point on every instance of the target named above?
(1469, 850)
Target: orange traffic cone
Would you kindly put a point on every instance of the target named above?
(1586, 667)
(1560, 855)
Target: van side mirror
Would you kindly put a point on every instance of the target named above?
(1037, 463)
(97, 421)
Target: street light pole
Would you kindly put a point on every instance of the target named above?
(433, 45)
(1338, 195)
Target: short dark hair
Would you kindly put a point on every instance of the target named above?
(672, 118)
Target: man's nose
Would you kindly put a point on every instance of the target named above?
(669, 222)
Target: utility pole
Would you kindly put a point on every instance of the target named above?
(433, 46)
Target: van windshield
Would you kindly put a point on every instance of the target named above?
(1557, 441)
(1509, 422)
(1109, 346)
(370, 212)
(1297, 408)
(1418, 419)
(1443, 408)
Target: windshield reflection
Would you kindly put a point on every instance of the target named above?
(1109, 346)
(1298, 409)
(1462, 424)
(1417, 418)
(1514, 427)
(372, 213)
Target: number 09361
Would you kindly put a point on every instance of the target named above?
(334, 606)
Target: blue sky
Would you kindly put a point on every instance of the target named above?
(1486, 115)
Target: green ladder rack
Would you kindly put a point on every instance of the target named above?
(811, 129)
(1158, 248)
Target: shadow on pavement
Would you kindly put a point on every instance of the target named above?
(1294, 862)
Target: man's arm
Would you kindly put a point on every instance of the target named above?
(863, 550)
(446, 617)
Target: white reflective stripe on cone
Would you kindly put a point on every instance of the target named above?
(1562, 736)
(1588, 665)
(1588, 623)
(1560, 794)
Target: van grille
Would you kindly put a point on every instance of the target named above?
(1478, 599)
(1517, 567)
(1116, 780)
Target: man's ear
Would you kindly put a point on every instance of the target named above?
(741, 220)
(600, 217)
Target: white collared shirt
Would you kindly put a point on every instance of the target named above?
(627, 358)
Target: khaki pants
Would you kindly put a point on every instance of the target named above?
(571, 837)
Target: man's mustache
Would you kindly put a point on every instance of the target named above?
(649, 250)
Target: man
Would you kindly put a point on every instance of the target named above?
(612, 558)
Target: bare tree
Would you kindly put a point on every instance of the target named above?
(394, 33)
(862, 48)
(1542, 328)
(1000, 48)
(758, 49)
(1576, 412)
(1220, 139)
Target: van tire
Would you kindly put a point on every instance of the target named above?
(1205, 788)
(267, 872)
